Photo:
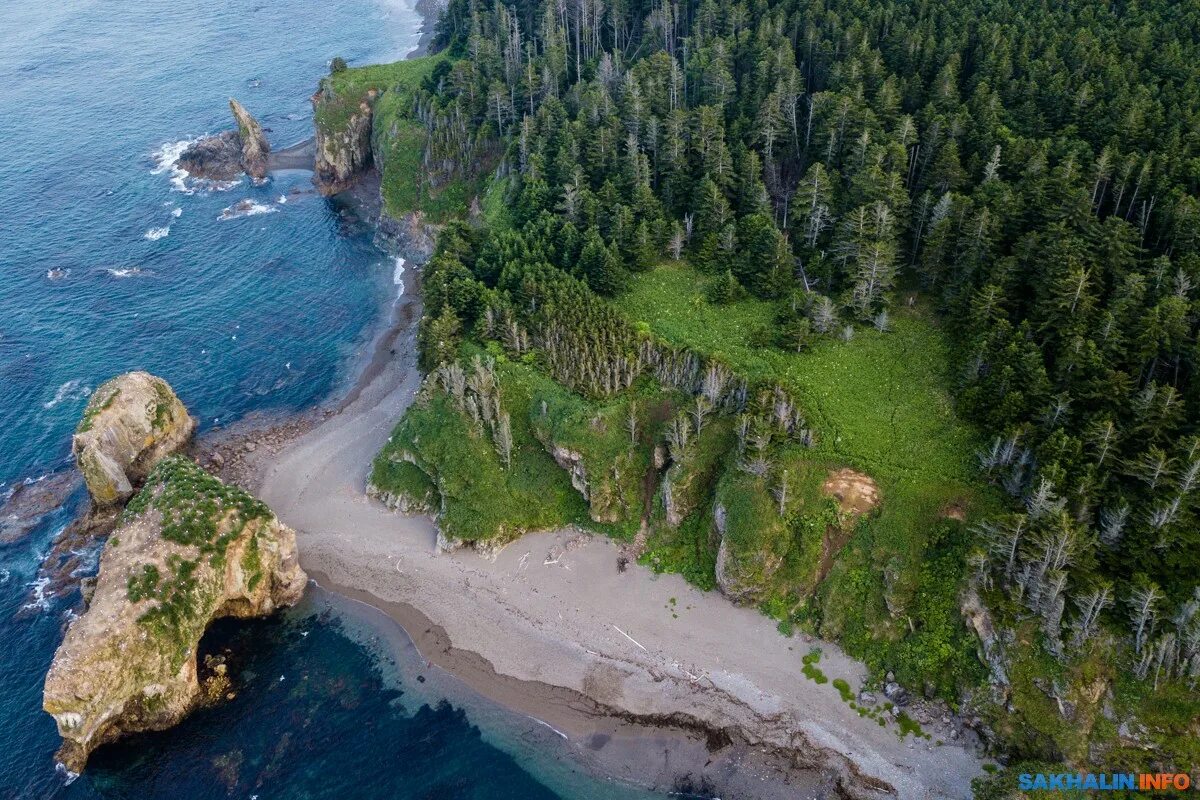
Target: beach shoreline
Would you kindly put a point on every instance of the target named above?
(665, 755)
(657, 670)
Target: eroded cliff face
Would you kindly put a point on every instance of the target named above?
(189, 549)
(343, 138)
(746, 566)
(411, 236)
(756, 531)
(131, 423)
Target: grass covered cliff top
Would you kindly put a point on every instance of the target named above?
(344, 89)
(412, 178)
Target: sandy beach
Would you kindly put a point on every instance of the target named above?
(650, 679)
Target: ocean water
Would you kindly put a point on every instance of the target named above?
(246, 298)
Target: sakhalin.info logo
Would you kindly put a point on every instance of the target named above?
(1111, 782)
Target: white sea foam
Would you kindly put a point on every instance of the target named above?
(128, 272)
(398, 276)
(282, 199)
(69, 391)
(68, 776)
(548, 725)
(166, 161)
(41, 598)
(154, 234)
(177, 212)
(246, 208)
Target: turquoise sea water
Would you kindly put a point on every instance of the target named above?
(109, 261)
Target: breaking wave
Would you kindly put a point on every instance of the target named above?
(128, 272)
(246, 208)
(69, 391)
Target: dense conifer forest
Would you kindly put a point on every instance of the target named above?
(731, 245)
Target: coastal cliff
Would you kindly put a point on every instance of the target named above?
(189, 549)
(130, 424)
(343, 136)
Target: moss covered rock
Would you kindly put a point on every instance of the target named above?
(189, 549)
(131, 423)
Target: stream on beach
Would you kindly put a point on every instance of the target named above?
(246, 298)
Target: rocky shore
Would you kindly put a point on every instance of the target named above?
(227, 155)
(184, 550)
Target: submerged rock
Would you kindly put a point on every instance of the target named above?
(227, 155)
(189, 549)
(131, 423)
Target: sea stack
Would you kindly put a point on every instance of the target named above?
(189, 549)
(131, 423)
(227, 155)
(255, 147)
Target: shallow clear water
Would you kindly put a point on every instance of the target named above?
(109, 262)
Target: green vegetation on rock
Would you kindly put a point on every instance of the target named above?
(101, 400)
(198, 511)
(400, 141)
(196, 508)
(483, 500)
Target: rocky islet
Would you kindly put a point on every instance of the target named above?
(186, 549)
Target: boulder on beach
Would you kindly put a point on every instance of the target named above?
(188, 549)
(225, 156)
(130, 424)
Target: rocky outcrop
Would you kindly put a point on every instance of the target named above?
(572, 462)
(991, 649)
(742, 577)
(419, 495)
(255, 147)
(131, 423)
(343, 137)
(214, 158)
(189, 549)
(227, 155)
(411, 237)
